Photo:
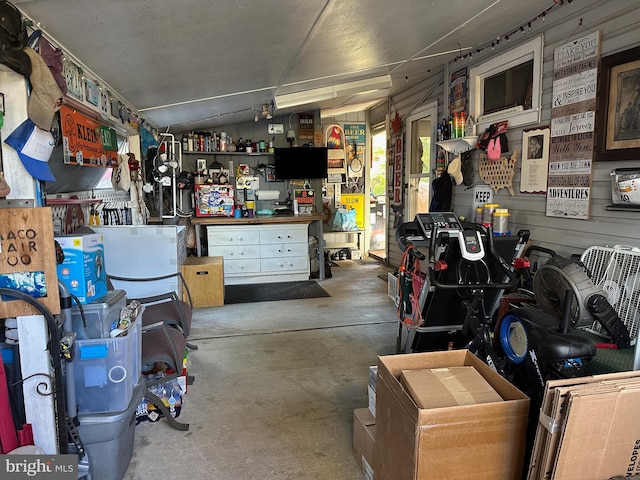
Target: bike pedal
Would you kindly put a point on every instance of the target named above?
(602, 310)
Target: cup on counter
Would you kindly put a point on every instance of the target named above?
(250, 205)
(237, 213)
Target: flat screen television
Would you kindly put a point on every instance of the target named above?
(300, 163)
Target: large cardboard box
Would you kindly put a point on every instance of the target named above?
(588, 428)
(479, 441)
(83, 270)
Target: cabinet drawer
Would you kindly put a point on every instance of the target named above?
(285, 264)
(291, 233)
(283, 250)
(232, 267)
(232, 235)
(234, 252)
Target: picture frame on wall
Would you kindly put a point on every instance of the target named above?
(618, 118)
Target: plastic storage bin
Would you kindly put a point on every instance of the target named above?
(108, 439)
(98, 315)
(105, 371)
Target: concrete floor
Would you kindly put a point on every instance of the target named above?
(275, 386)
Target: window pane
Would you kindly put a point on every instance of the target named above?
(420, 185)
(509, 88)
(421, 146)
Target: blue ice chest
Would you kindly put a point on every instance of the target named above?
(83, 271)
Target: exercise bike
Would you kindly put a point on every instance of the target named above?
(460, 291)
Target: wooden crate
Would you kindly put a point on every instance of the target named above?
(205, 278)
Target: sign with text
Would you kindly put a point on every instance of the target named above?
(28, 260)
(482, 194)
(355, 133)
(85, 141)
(572, 127)
(355, 201)
(306, 130)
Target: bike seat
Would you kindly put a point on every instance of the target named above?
(557, 346)
(551, 345)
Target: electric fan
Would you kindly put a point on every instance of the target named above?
(617, 271)
(562, 286)
(164, 167)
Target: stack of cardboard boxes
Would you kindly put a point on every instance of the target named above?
(364, 429)
(589, 428)
(440, 415)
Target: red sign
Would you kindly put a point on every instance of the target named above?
(82, 140)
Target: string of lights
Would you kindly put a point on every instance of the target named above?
(522, 29)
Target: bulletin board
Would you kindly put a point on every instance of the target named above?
(28, 260)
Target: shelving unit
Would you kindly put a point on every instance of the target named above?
(458, 145)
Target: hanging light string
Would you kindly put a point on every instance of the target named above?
(522, 29)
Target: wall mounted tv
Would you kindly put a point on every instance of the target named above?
(300, 163)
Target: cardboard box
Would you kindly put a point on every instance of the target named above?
(364, 431)
(204, 277)
(588, 428)
(446, 387)
(480, 441)
(371, 389)
(83, 270)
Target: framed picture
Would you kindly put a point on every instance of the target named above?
(535, 160)
(618, 119)
(91, 92)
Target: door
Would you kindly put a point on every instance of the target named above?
(378, 193)
(420, 151)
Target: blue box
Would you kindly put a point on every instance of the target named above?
(83, 270)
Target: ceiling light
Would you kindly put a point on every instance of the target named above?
(334, 91)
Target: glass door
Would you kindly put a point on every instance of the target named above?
(420, 152)
(378, 194)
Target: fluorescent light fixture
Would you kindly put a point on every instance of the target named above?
(334, 91)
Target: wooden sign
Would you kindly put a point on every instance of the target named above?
(572, 127)
(28, 260)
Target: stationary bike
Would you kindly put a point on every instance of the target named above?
(465, 278)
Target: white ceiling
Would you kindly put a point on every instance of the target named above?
(191, 64)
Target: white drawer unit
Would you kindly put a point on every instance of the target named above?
(261, 253)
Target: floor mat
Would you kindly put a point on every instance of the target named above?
(266, 292)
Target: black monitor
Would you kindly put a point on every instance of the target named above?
(300, 163)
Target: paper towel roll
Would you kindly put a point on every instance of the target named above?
(267, 194)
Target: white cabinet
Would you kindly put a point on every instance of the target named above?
(261, 253)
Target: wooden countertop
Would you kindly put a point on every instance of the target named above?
(257, 220)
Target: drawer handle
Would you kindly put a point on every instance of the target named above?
(280, 250)
(279, 236)
(288, 236)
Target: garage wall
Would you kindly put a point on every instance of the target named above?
(618, 22)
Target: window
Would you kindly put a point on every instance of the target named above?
(508, 87)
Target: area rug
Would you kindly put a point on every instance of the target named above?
(267, 292)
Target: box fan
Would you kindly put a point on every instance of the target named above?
(617, 270)
(565, 290)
